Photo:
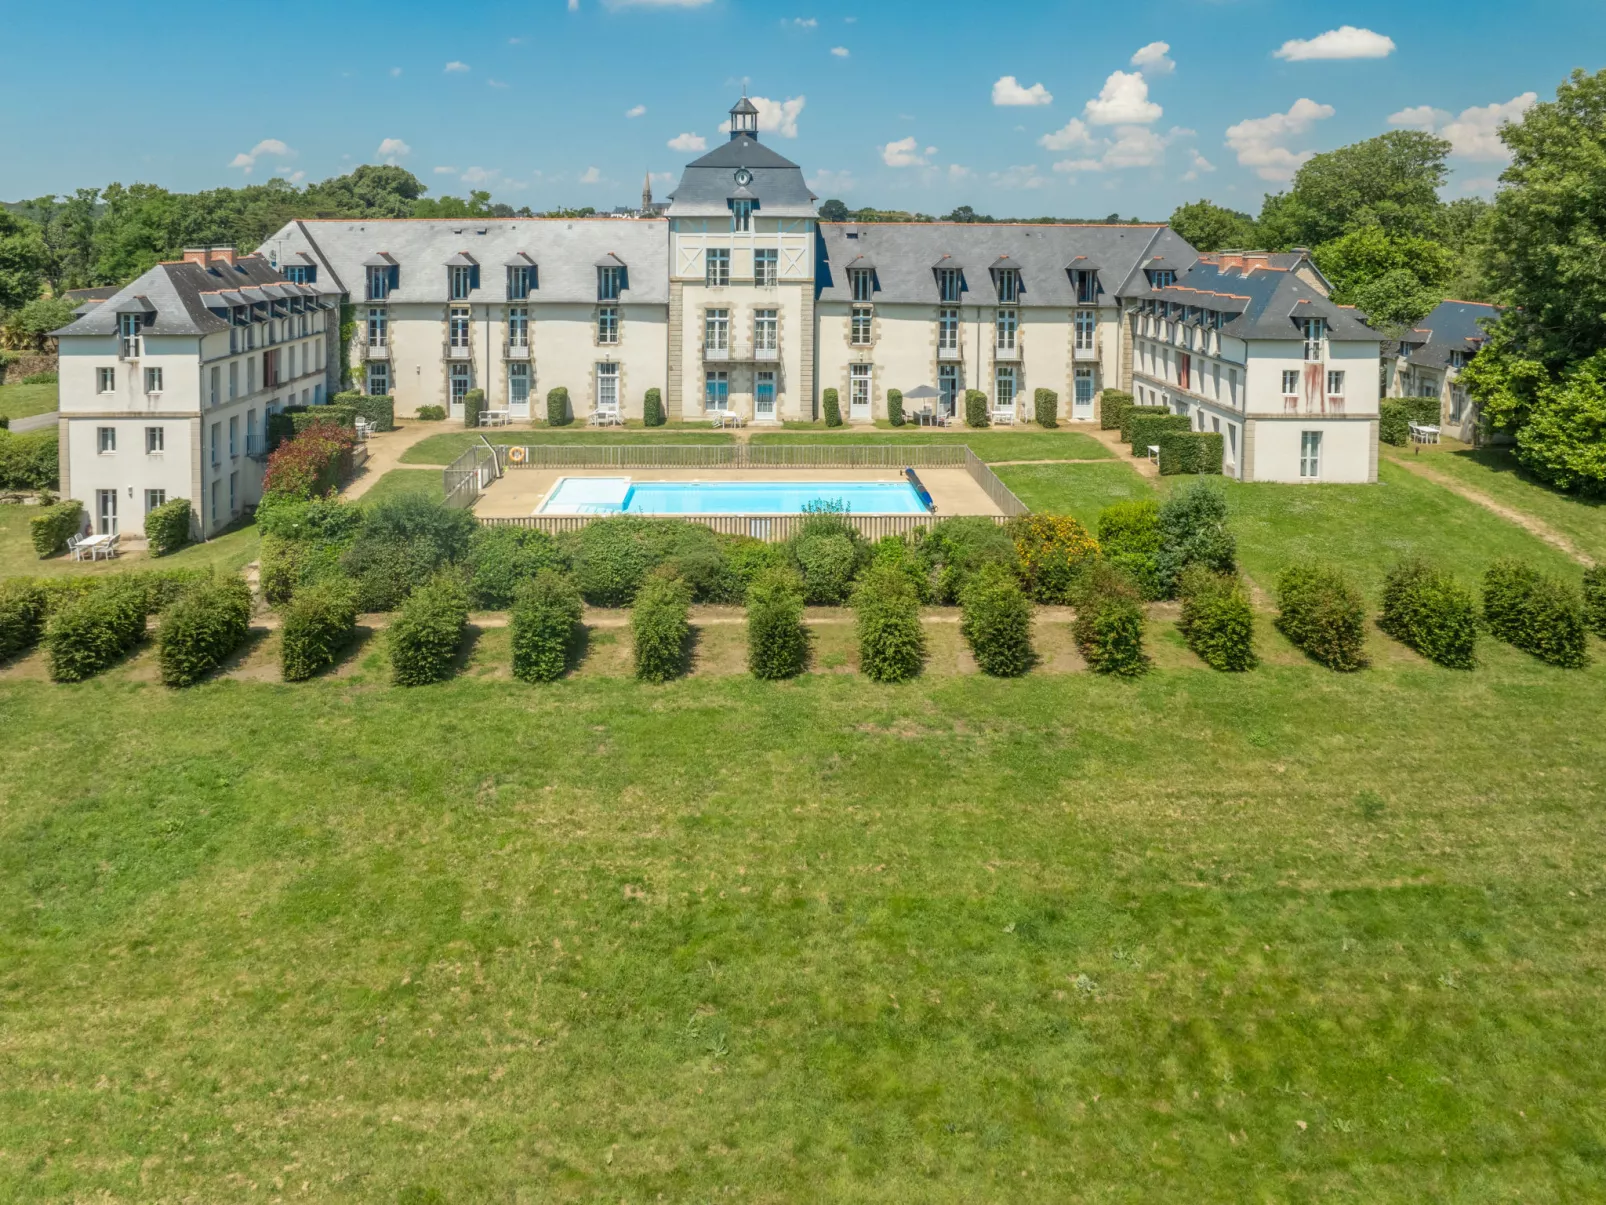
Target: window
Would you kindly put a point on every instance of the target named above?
(1315, 332)
(217, 487)
(859, 390)
(607, 386)
(717, 266)
(155, 440)
(518, 327)
(1004, 389)
(948, 388)
(217, 444)
(1160, 278)
(154, 498)
(1458, 402)
(378, 326)
(234, 492)
(464, 279)
(518, 386)
(948, 330)
(153, 380)
(1335, 384)
(1087, 287)
(106, 512)
(380, 282)
(863, 284)
(301, 274)
(716, 390)
(1290, 382)
(106, 440)
(234, 437)
(250, 432)
(302, 328)
(1086, 327)
(1232, 385)
(741, 215)
(1009, 285)
(716, 330)
(378, 378)
(215, 385)
(610, 283)
(128, 335)
(1310, 454)
(950, 283)
(766, 330)
(457, 326)
(861, 326)
(608, 324)
(764, 266)
(519, 283)
(106, 380)
(458, 382)
(251, 337)
(292, 357)
(251, 375)
(1007, 322)
(1084, 391)
(234, 379)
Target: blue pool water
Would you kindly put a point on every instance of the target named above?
(620, 495)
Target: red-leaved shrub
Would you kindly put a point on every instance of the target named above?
(310, 465)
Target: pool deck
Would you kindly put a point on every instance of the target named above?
(521, 491)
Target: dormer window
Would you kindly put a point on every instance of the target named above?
(1009, 285)
(128, 327)
(863, 284)
(520, 283)
(1315, 332)
(1087, 287)
(610, 282)
(381, 280)
(741, 215)
(301, 274)
(463, 279)
(950, 284)
(1160, 278)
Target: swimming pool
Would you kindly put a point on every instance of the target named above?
(621, 495)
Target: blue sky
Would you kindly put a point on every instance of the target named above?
(1035, 107)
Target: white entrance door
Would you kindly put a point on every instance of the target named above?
(106, 506)
(1082, 403)
(859, 392)
(764, 397)
(459, 381)
(518, 390)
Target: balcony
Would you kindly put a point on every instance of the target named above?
(716, 354)
(1007, 354)
(515, 351)
(375, 351)
(1087, 354)
(766, 355)
(456, 351)
(128, 347)
(948, 354)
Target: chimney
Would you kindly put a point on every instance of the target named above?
(219, 255)
(1256, 259)
(195, 255)
(1230, 260)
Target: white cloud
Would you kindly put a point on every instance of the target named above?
(1123, 101)
(481, 175)
(688, 142)
(663, 177)
(1072, 166)
(394, 72)
(1259, 141)
(391, 150)
(958, 171)
(903, 153)
(445, 171)
(1197, 165)
(840, 52)
(825, 181)
(1132, 146)
(777, 116)
(591, 175)
(801, 22)
(1154, 59)
(1072, 133)
(515, 41)
(496, 83)
(296, 177)
(1009, 91)
(454, 67)
(574, 6)
(1018, 177)
(635, 110)
(1475, 134)
(268, 146)
(1345, 42)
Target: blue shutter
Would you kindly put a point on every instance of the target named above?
(474, 277)
(395, 276)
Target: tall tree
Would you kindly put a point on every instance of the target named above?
(1210, 227)
(23, 256)
(1391, 181)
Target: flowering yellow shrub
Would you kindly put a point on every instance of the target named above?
(1053, 550)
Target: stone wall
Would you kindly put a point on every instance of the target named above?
(15, 365)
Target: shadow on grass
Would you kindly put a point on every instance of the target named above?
(1504, 461)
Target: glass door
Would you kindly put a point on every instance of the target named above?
(859, 392)
(1082, 403)
(948, 390)
(518, 390)
(106, 512)
(764, 397)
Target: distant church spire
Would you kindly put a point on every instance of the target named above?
(646, 194)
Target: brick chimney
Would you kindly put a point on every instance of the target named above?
(1230, 259)
(195, 255)
(220, 255)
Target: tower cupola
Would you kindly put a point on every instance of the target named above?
(744, 118)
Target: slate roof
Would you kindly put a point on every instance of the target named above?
(906, 254)
(1452, 326)
(177, 294)
(565, 252)
(1266, 302)
(707, 184)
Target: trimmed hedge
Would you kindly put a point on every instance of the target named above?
(89, 633)
(1113, 405)
(1193, 531)
(427, 632)
(1535, 613)
(1595, 600)
(1129, 538)
(303, 418)
(1429, 611)
(430, 414)
(1110, 623)
(319, 623)
(1323, 615)
(473, 407)
(1144, 430)
(202, 629)
(167, 527)
(660, 633)
(502, 559)
(374, 408)
(24, 606)
(310, 465)
(1134, 412)
(558, 413)
(1198, 452)
(53, 526)
(652, 409)
(996, 621)
(546, 627)
(976, 408)
(1396, 414)
(29, 461)
(1054, 552)
(895, 407)
(777, 640)
(1217, 619)
(892, 644)
(1046, 408)
(833, 408)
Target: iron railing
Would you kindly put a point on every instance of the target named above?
(468, 475)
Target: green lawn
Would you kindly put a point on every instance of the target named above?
(19, 401)
(1081, 490)
(989, 445)
(1198, 938)
(447, 446)
(226, 553)
(1495, 472)
(427, 482)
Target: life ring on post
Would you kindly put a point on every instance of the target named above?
(516, 455)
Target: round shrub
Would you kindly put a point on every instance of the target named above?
(546, 626)
(318, 626)
(892, 644)
(473, 407)
(167, 527)
(430, 414)
(53, 526)
(24, 604)
(895, 407)
(976, 408)
(558, 413)
(1595, 600)
(828, 562)
(833, 408)
(1129, 537)
(1217, 620)
(1536, 613)
(1053, 550)
(428, 631)
(956, 548)
(1110, 622)
(501, 559)
(659, 628)
(652, 409)
(895, 550)
(1323, 615)
(201, 630)
(1113, 405)
(403, 540)
(1193, 531)
(611, 557)
(1045, 407)
(777, 640)
(89, 633)
(1431, 612)
(746, 559)
(997, 622)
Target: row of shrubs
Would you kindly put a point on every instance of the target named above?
(29, 461)
(1396, 414)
